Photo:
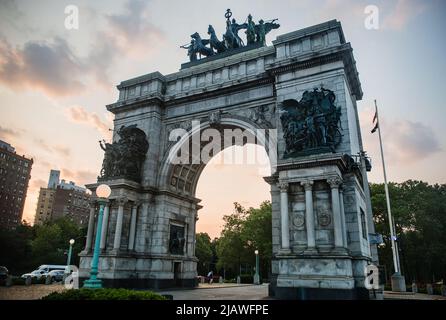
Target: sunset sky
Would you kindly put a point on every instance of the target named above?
(55, 83)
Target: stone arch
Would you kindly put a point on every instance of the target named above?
(183, 178)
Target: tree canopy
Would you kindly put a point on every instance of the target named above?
(26, 247)
(244, 231)
(419, 212)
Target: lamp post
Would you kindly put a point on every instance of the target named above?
(257, 276)
(70, 250)
(103, 192)
(67, 268)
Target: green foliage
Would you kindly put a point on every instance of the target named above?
(245, 231)
(27, 247)
(103, 294)
(15, 248)
(203, 251)
(246, 278)
(17, 281)
(419, 212)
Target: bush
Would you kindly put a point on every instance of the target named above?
(246, 278)
(103, 294)
(230, 281)
(17, 281)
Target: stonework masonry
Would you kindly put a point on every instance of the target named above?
(319, 203)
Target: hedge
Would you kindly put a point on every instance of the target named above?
(103, 294)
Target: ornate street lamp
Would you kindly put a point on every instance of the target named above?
(103, 192)
(70, 250)
(257, 276)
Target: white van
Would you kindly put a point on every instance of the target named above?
(50, 267)
(43, 270)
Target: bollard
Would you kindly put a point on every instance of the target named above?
(28, 281)
(48, 280)
(220, 279)
(238, 279)
(443, 290)
(9, 281)
(414, 287)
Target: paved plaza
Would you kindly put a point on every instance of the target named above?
(203, 292)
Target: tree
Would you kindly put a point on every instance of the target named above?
(245, 231)
(26, 247)
(419, 212)
(203, 251)
(52, 242)
(15, 248)
(257, 233)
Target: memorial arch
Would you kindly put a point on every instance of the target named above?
(297, 98)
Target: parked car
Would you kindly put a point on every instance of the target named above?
(56, 275)
(36, 274)
(4, 273)
(51, 267)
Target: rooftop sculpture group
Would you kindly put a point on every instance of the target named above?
(255, 35)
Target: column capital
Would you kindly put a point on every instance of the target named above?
(283, 186)
(122, 200)
(334, 182)
(138, 203)
(307, 184)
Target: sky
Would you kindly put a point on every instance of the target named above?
(55, 82)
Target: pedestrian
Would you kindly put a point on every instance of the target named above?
(210, 276)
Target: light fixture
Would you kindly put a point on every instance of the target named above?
(72, 241)
(256, 252)
(103, 191)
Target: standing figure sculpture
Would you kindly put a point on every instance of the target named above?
(110, 156)
(231, 37)
(191, 50)
(263, 28)
(250, 31)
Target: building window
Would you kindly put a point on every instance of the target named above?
(363, 224)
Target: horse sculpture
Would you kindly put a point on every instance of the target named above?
(216, 44)
(200, 45)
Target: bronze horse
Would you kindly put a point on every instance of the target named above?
(200, 45)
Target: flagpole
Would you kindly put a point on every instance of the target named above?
(396, 260)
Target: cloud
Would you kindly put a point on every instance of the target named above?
(79, 114)
(132, 30)
(403, 12)
(60, 150)
(80, 177)
(53, 67)
(37, 184)
(8, 134)
(410, 141)
(49, 66)
(405, 142)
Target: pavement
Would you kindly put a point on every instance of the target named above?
(215, 291)
(219, 291)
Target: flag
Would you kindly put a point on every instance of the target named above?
(375, 119)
